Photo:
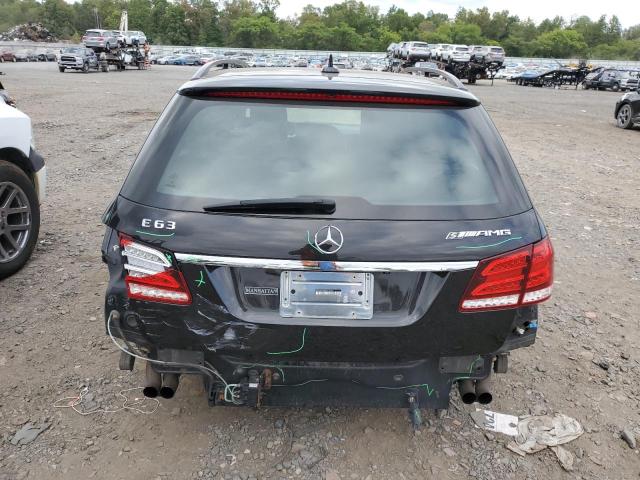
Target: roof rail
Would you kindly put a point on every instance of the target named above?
(426, 67)
(224, 63)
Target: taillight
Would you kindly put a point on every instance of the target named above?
(151, 276)
(328, 97)
(521, 277)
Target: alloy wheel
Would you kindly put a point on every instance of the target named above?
(624, 116)
(15, 221)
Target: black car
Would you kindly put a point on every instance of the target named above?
(627, 111)
(604, 79)
(298, 237)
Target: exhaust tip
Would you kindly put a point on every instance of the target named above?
(150, 392)
(485, 398)
(467, 391)
(167, 392)
(469, 398)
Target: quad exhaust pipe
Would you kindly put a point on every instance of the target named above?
(483, 390)
(170, 382)
(467, 391)
(475, 391)
(153, 382)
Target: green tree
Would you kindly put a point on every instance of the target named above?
(560, 44)
(254, 32)
(466, 34)
(57, 15)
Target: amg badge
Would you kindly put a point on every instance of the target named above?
(261, 290)
(478, 233)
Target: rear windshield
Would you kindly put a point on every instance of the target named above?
(375, 162)
(92, 33)
(462, 49)
(421, 45)
(497, 50)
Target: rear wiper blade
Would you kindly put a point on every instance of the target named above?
(276, 205)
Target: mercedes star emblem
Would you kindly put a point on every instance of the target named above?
(329, 239)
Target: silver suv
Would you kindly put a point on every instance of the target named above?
(456, 53)
(487, 54)
(96, 38)
(415, 51)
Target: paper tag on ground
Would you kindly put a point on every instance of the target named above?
(496, 422)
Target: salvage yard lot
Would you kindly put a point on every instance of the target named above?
(584, 176)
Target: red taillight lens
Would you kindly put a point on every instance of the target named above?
(522, 277)
(329, 97)
(151, 276)
(540, 277)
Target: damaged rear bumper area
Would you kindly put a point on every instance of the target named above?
(291, 378)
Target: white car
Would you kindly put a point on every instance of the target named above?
(438, 49)
(134, 37)
(456, 53)
(22, 189)
(415, 51)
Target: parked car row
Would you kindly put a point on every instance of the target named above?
(416, 51)
(28, 56)
(178, 60)
(366, 62)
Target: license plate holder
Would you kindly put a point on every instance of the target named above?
(337, 295)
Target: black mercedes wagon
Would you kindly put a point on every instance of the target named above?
(298, 237)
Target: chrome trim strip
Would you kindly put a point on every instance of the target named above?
(325, 265)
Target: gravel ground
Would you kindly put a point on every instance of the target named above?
(583, 174)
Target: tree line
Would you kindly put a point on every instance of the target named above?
(351, 25)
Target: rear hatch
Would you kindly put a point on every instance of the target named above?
(329, 210)
(419, 48)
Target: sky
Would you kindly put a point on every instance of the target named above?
(628, 11)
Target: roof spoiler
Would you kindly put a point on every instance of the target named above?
(432, 68)
(223, 63)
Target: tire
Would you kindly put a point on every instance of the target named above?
(14, 180)
(85, 68)
(61, 69)
(615, 87)
(107, 47)
(1, 59)
(623, 119)
(14, 60)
